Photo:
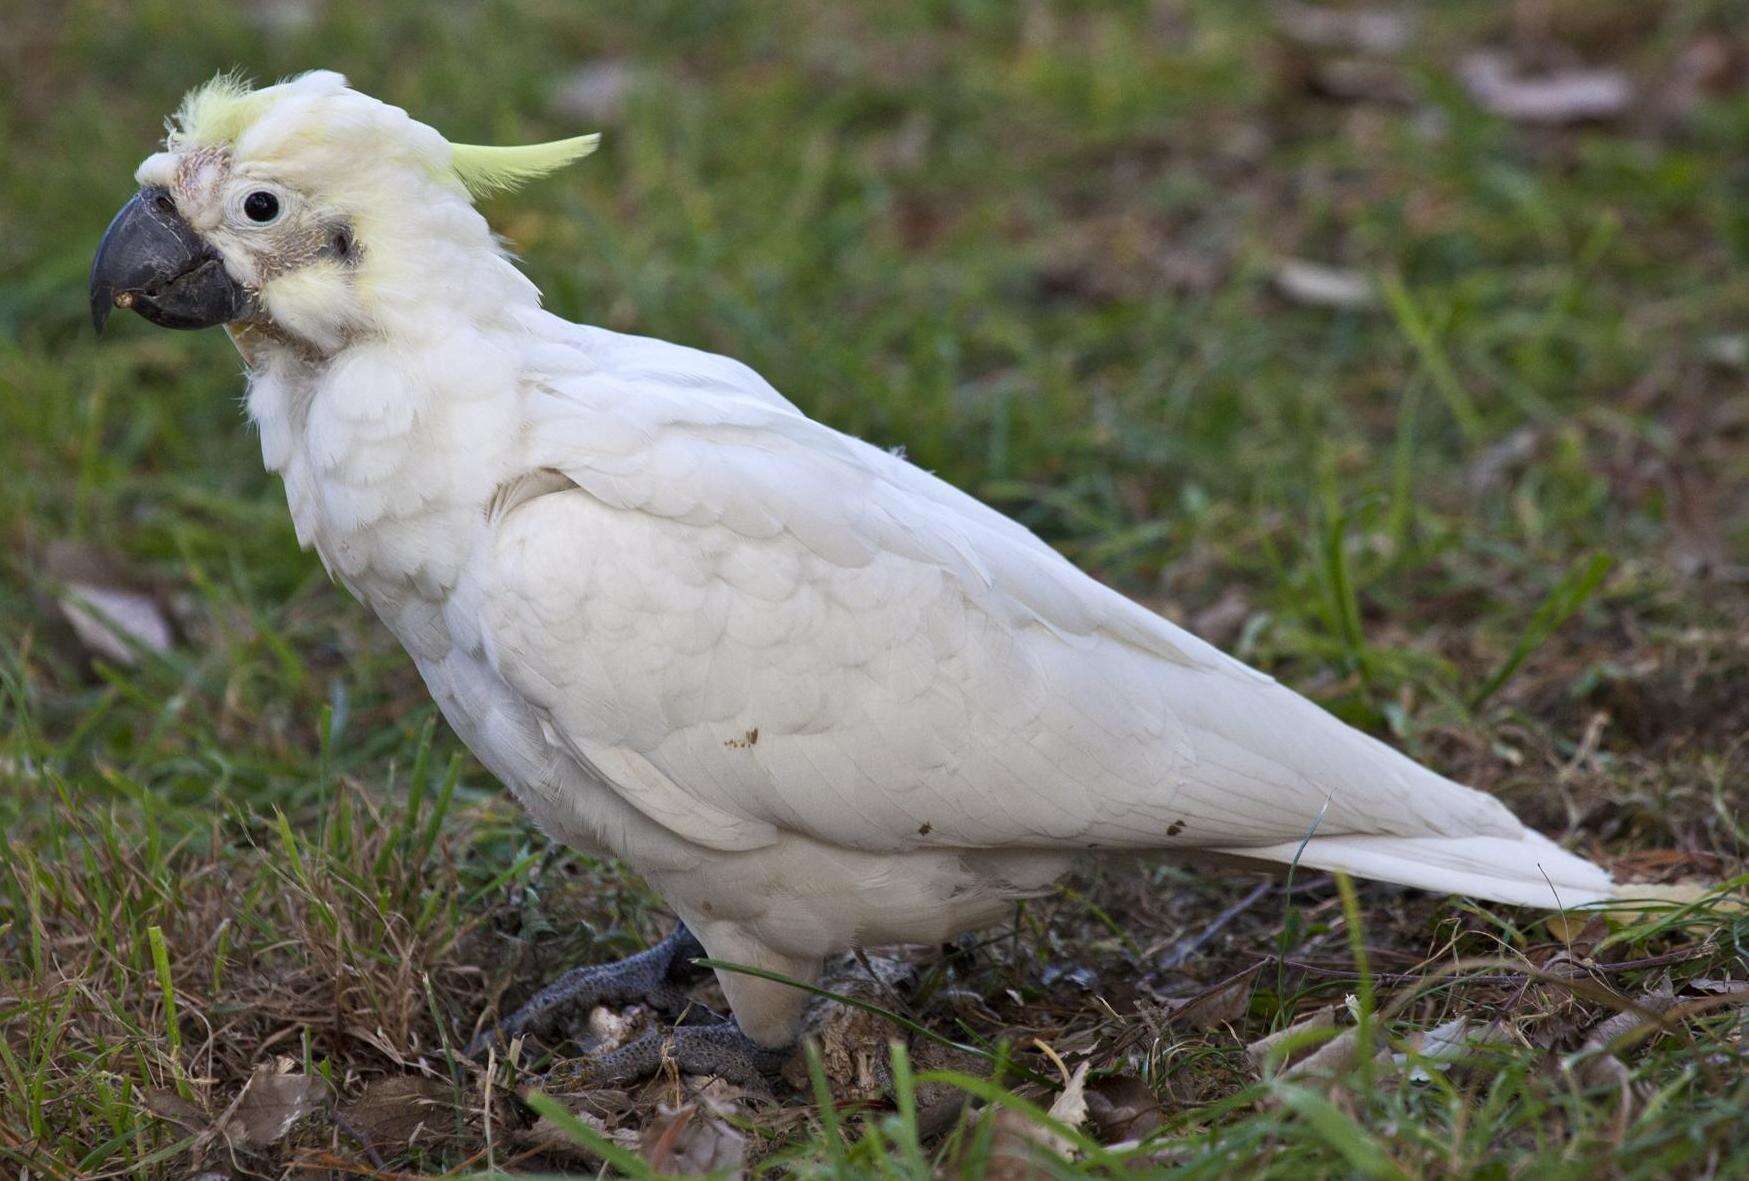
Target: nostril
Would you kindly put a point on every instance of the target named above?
(164, 203)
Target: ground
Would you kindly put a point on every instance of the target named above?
(1419, 389)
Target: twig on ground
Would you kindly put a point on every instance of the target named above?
(1179, 955)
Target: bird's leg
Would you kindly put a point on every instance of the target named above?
(704, 1043)
(747, 1048)
(649, 976)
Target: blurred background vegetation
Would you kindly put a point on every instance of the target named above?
(1401, 350)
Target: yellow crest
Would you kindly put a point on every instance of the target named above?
(216, 113)
(484, 170)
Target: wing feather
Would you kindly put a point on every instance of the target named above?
(750, 623)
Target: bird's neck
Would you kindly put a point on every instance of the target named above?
(390, 451)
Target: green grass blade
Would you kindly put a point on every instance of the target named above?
(167, 989)
(1340, 1132)
(1569, 595)
(628, 1163)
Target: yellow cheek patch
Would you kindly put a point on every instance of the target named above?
(317, 302)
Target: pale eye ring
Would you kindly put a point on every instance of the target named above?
(261, 207)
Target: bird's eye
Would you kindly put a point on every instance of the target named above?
(261, 206)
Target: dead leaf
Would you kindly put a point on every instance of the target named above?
(113, 623)
(1728, 350)
(1221, 621)
(597, 93)
(1121, 1107)
(1071, 1106)
(939, 1104)
(283, 18)
(1368, 30)
(1599, 1059)
(1666, 865)
(1603, 1069)
(1079, 976)
(1708, 67)
(1736, 988)
(399, 1110)
(1015, 1148)
(1363, 80)
(1653, 1014)
(272, 1101)
(170, 1106)
(1694, 506)
(1566, 96)
(1223, 1004)
(1285, 1046)
(1613, 1032)
(690, 1141)
(1447, 1043)
(547, 1137)
(1329, 1059)
(1018, 1145)
(1581, 931)
(1183, 268)
(1333, 1056)
(1633, 897)
(1318, 285)
(1499, 460)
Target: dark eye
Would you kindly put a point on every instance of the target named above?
(261, 206)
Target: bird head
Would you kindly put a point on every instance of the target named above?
(312, 212)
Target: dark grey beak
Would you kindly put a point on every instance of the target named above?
(150, 260)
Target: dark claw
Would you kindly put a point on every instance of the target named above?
(647, 977)
(720, 1049)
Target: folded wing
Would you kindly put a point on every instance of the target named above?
(750, 623)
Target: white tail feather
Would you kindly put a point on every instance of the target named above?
(1527, 870)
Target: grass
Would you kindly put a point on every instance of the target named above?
(1499, 515)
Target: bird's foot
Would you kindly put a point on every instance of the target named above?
(651, 977)
(720, 1049)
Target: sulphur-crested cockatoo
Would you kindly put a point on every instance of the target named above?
(816, 696)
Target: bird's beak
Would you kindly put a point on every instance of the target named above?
(152, 261)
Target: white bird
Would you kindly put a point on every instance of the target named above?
(816, 696)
